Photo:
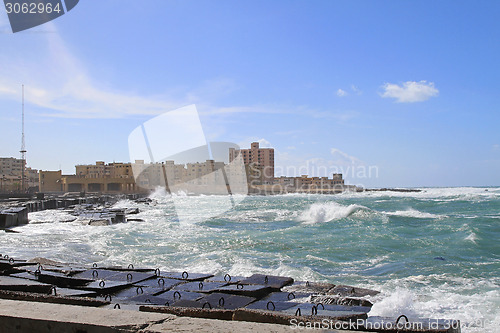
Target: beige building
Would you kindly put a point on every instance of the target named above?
(305, 183)
(119, 177)
(50, 181)
(11, 170)
(10, 166)
(261, 159)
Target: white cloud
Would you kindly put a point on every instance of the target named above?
(263, 143)
(410, 91)
(341, 158)
(341, 93)
(356, 90)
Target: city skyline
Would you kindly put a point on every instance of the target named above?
(408, 88)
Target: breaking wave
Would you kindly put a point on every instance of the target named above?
(325, 212)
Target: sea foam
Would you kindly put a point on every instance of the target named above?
(415, 214)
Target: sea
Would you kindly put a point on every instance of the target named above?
(431, 254)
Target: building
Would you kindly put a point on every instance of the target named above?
(11, 170)
(50, 181)
(137, 177)
(261, 161)
(319, 183)
(11, 166)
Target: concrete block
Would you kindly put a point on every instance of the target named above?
(309, 287)
(343, 291)
(251, 290)
(186, 276)
(275, 282)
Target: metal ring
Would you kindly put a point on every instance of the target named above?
(200, 285)
(291, 294)
(187, 275)
(162, 281)
(402, 316)
(108, 296)
(266, 280)
(129, 278)
(102, 284)
(314, 310)
(307, 284)
(322, 306)
(298, 311)
(137, 290)
(178, 293)
(228, 278)
(270, 302)
(40, 267)
(130, 266)
(117, 306)
(53, 288)
(239, 285)
(209, 306)
(147, 300)
(157, 272)
(95, 274)
(37, 272)
(167, 303)
(221, 301)
(11, 260)
(94, 265)
(6, 256)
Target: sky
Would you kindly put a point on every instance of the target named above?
(390, 93)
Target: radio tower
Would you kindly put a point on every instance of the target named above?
(23, 150)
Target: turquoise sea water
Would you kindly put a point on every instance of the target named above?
(433, 254)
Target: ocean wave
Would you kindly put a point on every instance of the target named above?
(472, 237)
(325, 212)
(444, 297)
(434, 193)
(415, 214)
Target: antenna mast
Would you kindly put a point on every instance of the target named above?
(23, 150)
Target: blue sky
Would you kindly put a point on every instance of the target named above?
(408, 88)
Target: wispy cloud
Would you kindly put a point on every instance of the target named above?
(341, 93)
(342, 158)
(60, 84)
(356, 90)
(410, 91)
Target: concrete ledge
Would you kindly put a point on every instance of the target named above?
(24, 317)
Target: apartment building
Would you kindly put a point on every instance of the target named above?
(261, 159)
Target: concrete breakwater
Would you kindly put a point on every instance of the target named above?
(95, 209)
(256, 298)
